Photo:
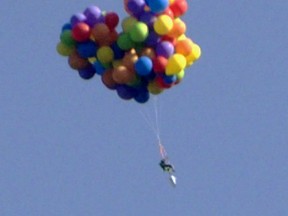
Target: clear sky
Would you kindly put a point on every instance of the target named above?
(70, 147)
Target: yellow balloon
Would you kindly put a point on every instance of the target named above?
(154, 89)
(105, 54)
(171, 2)
(182, 37)
(92, 60)
(194, 55)
(176, 63)
(163, 24)
(180, 75)
(64, 50)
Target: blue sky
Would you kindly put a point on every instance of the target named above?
(71, 147)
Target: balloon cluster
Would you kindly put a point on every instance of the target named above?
(149, 55)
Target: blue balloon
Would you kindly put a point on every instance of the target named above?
(143, 66)
(99, 68)
(125, 92)
(66, 26)
(118, 53)
(157, 6)
(87, 73)
(142, 96)
(169, 79)
(87, 49)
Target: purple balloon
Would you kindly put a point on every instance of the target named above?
(136, 7)
(76, 18)
(152, 39)
(165, 49)
(94, 15)
(148, 18)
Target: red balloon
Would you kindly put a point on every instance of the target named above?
(81, 32)
(111, 20)
(169, 12)
(159, 64)
(161, 84)
(179, 7)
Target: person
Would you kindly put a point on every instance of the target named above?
(167, 167)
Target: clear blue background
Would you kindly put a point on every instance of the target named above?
(71, 147)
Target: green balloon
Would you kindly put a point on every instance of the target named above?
(128, 23)
(124, 42)
(66, 38)
(139, 32)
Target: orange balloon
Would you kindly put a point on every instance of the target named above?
(148, 52)
(129, 59)
(76, 62)
(108, 80)
(100, 33)
(122, 75)
(179, 28)
(184, 46)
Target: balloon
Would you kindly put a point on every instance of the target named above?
(122, 75)
(159, 64)
(180, 76)
(165, 49)
(184, 46)
(129, 59)
(66, 26)
(147, 51)
(169, 79)
(93, 15)
(124, 41)
(152, 39)
(143, 66)
(175, 64)
(168, 12)
(125, 92)
(148, 18)
(179, 7)
(100, 33)
(108, 80)
(76, 62)
(64, 50)
(67, 39)
(138, 32)
(81, 32)
(105, 54)
(161, 84)
(77, 18)
(99, 68)
(179, 28)
(87, 49)
(154, 88)
(157, 6)
(135, 7)
(128, 23)
(118, 53)
(163, 24)
(111, 20)
(194, 55)
(142, 96)
(87, 73)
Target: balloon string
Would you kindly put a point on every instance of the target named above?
(154, 126)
